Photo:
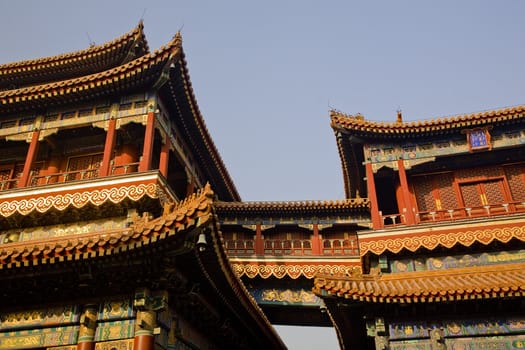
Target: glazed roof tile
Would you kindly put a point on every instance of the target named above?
(143, 70)
(69, 65)
(307, 205)
(480, 282)
(192, 212)
(212, 155)
(179, 219)
(357, 124)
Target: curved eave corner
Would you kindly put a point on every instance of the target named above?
(141, 72)
(135, 42)
(220, 177)
(244, 298)
(467, 283)
(193, 212)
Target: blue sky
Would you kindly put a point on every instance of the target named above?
(267, 73)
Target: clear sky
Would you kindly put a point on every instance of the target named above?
(266, 73)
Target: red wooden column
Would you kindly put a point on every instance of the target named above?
(147, 305)
(108, 148)
(409, 213)
(316, 240)
(259, 243)
(164, 158)
(377, 222)
(86, 331)
(144, 338)
(30, 158)
(147, 151)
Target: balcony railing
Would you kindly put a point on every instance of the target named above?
(8, 184)
(125, 168)
(340, 247)
(66, 176)
(484, 211)
(240, 247)
(287, 247)
(293, 247)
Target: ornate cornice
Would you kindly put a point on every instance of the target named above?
(431, 241)
(193, 212)
(294, 271)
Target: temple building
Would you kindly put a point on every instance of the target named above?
(109, 237)
(442, 265)
(121, 228)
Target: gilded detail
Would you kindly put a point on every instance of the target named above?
(448, 240)
(78, 200)
(292, 271)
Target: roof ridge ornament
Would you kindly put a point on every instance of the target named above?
(399, 119)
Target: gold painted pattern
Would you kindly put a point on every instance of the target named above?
(288, 295)
(292, 271)
(78, 200)
(126, 344)
(448, 240)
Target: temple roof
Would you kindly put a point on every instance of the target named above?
(177, 224)
(164, 70)
(358, 125)
(194, 211)
(142, 72)
(94, 59)
(353, 131)
(480, 282)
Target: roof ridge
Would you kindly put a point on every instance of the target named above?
(336, 115)
(171, 48)
(136, 32)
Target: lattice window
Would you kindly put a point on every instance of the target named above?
(446, 191)
(423, 191)
(494, 191)
(471, 195)
(84, 167)
(515, 179)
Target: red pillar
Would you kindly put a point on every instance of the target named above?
(316, 240)
(372, 196)
(145, 323)
(409, 214)
(86, 345)
(87, 328)
(108, 148)
(144, 342)
(30, 158)
(147, 151)
(164, 158)
(259, 243)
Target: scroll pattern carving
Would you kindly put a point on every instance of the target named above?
(447, 240)
(292, 271)
(78, 200)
